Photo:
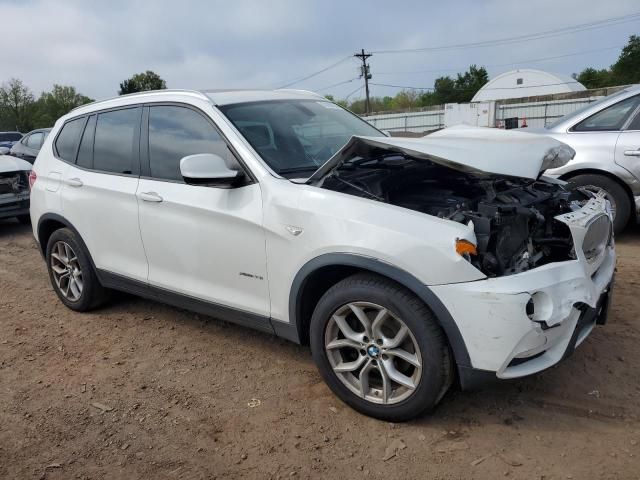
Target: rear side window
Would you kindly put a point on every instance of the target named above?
(115, 147)
(68, 138)
(35, 140)
(611, 118)
(174, 133)
(85, 152)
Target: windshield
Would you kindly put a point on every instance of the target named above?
(295, 137)
(577, 112)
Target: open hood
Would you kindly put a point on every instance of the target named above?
(477, 150)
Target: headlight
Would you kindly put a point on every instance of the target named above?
(465, 248)
(597, 238)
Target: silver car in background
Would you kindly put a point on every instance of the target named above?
(606, 137)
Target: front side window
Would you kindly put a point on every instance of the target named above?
(115, 147)
(35, 140)
(68, 138)
(294, 136)
(176, 132)
(611, 118)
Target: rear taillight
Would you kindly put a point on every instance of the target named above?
(32, 178)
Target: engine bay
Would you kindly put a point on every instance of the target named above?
(513, 218)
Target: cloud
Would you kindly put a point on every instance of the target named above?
(241, 44)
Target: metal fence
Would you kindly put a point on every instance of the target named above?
(417, 122)
(538, 114)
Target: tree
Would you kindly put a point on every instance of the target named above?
(142, 82)
(59, 101)
(16, 106)
(627, 69)
(468, 83)
(592, 78)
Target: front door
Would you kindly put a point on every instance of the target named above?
(203, 242)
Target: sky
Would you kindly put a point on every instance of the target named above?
(271, 43)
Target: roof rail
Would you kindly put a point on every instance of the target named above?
(146, 92)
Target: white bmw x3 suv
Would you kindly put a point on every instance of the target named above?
(404, 263)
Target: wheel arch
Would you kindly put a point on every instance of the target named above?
(49, 223)
(322, 272)
(594, 171)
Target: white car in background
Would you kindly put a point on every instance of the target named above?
(405, 263)
(14, 188)
(606, 137)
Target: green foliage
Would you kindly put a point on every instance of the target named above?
(625, 71)
(20, 111)
(59, 101)
(592, 78)
(142, 82)
(16, 106)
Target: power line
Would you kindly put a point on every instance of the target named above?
(488, 88)
(501, 64)
(522, 38)
(335, 85)
(355, 91)
(333, 65)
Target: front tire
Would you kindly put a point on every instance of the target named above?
(616, 194)
(379, 348)
(71, 273)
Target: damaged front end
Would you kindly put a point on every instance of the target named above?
(515, 219)
(14, 193)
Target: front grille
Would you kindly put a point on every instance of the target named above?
(597, 238)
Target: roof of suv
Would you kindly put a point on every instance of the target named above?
(218, 97)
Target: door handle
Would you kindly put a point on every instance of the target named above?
(150, 197)
(632, 153)
(74, 182)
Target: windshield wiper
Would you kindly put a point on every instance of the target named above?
(308, 168)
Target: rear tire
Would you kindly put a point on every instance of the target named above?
(615, 193)
(71, 272)
(24, 219)
(374, 388)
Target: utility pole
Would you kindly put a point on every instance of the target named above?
(366, 74)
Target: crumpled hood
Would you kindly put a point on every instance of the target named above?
(13, 164)
(477, 150)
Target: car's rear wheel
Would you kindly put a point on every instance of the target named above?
(24, 219)
(379, 348)
(71, 273)
(615, 193)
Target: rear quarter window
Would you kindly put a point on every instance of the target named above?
(66, 144)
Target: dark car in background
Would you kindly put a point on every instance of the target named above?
(7, 139)
(29, 146)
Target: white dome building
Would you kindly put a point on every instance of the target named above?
(526, 82)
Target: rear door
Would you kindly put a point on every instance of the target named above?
(203, 242)
(99, 191)
(628, 145)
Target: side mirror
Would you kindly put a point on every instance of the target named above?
(208, 169)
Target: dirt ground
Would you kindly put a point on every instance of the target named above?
(142, 390)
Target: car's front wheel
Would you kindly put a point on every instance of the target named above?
(71, 273)
(379, 348)
(614, 192)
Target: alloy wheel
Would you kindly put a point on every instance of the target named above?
(67, 273)
(373, 352)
